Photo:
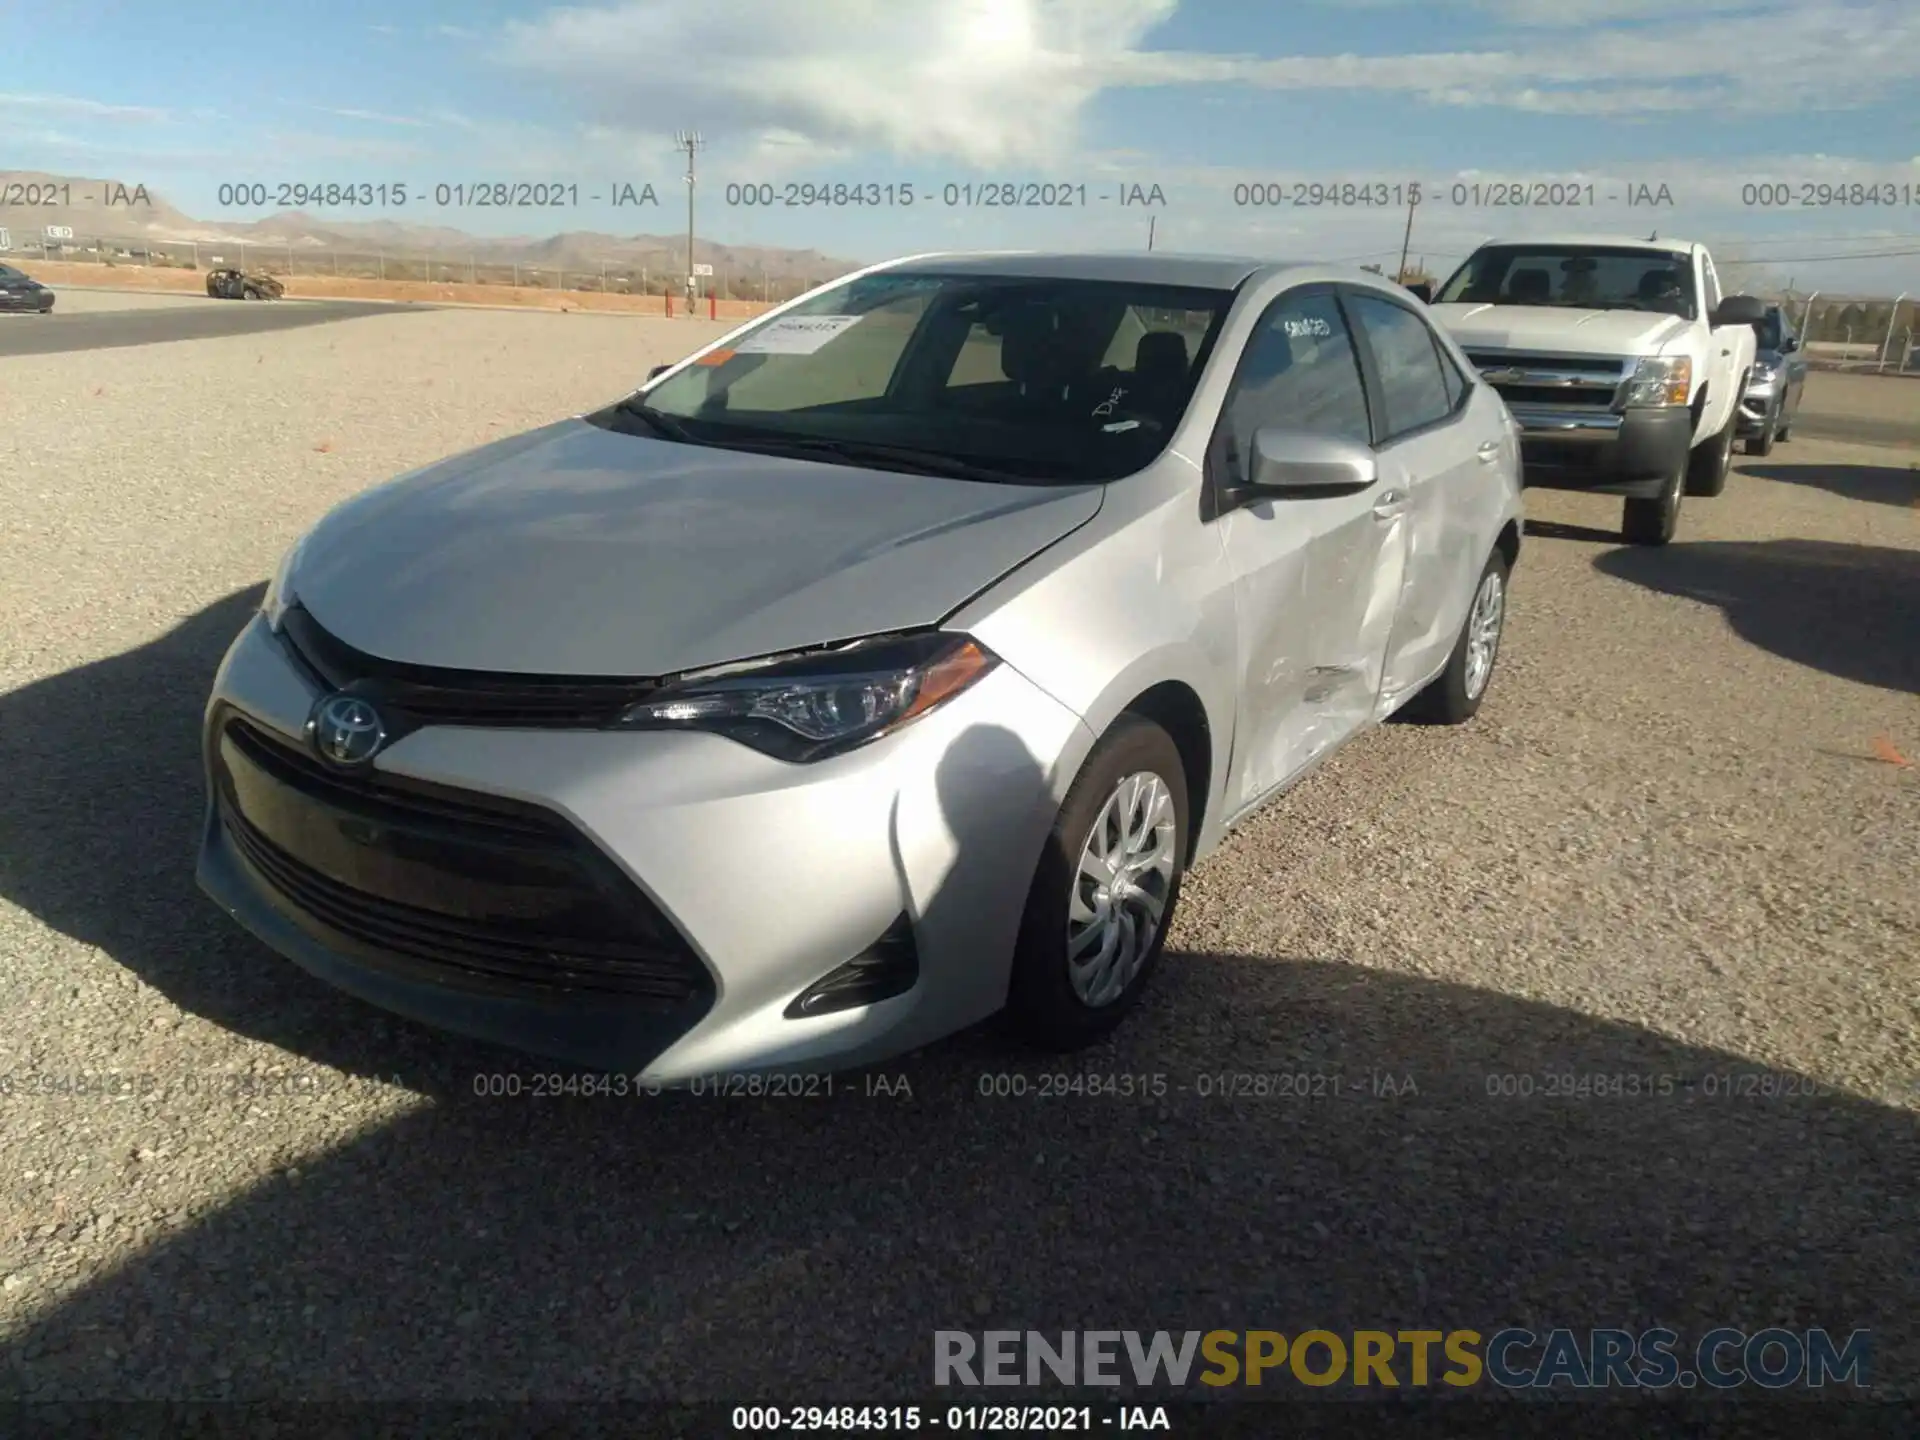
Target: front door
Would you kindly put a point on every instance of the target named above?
(1316, 579)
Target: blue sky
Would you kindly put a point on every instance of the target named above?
(1705, 98)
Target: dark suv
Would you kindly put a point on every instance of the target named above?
(232, 284)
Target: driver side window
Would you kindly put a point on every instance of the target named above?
(1299, 371)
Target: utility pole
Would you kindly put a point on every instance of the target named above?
(1152, 220)
(1406, 242)
(689, 141)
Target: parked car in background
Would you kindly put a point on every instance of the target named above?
(19, 292)
(230, 284)
(877, 668)
(1621, 360)
(1773, 394)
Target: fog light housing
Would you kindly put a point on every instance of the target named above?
(888, 967)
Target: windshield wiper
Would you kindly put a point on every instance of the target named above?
(887, 456)
(660, 423)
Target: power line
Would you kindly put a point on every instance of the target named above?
(1821, 259)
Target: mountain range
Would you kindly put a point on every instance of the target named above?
(129, 215)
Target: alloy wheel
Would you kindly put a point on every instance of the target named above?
(1483, 632)
(1120, 889)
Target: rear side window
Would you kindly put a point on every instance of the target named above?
(1412, 384)
(1299, 372)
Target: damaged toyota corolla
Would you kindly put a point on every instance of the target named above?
(878, 668)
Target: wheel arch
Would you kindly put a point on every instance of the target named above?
(1176, 707)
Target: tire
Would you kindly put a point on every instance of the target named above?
(249, 293)
(1653, 522)
(1762, 444)
(1707, 465)
(1454, 696)
(1045, 1006)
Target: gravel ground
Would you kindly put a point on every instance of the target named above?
(1675, 843)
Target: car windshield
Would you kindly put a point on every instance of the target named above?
(7, 272)
(1581, 277)
(1019, 379)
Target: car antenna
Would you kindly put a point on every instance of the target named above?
(1654, 236)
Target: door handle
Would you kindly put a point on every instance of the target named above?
(1390, 504)
(1488, 452)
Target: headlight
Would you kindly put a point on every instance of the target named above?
(279, 594)
(1763, 371)
(1661, 380)
(809, 707)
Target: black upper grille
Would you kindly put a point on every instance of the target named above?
(1598, 366)
(432, 695)
(466, 890)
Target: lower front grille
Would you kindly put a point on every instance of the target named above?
(471, 894)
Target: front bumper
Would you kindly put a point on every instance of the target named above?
(1756, 405)
(1633, 453)
(770, 875)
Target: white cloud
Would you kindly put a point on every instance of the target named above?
(373, 116)
(979, 80)
(991, 81)
(72, 105)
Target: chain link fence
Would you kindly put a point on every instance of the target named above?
(1857, 331)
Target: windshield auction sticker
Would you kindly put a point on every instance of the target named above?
(795, 335)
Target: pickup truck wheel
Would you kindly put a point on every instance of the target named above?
(1653, 522)
(1707, 465)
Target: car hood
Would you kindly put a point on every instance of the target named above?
(575, 550)
(1548, 329)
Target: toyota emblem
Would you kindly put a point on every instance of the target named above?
(346, 730)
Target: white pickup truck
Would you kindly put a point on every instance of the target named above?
(1620, 359)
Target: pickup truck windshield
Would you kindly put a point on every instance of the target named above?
(1579, 277)
(1019, 379)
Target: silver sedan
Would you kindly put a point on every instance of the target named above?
(877, 669)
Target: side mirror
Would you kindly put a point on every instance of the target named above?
(1740, 310)
(1294, 465)
(1422, 291)
(1788, 345)
(658, 371)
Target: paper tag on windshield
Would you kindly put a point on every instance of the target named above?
(795, 335)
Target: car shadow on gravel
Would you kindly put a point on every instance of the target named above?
(1561, 530)
(1419, 1174)
(1850, 610)
(100, 824)
(1405, 1163)
(1876, 484)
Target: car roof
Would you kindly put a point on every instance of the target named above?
(1209, 272)
(1629, 242)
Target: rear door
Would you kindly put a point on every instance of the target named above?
(1440, 440)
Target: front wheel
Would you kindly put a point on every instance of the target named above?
(1762, 444)
(1104, 892)
(1653, 522)
(1707, 466)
